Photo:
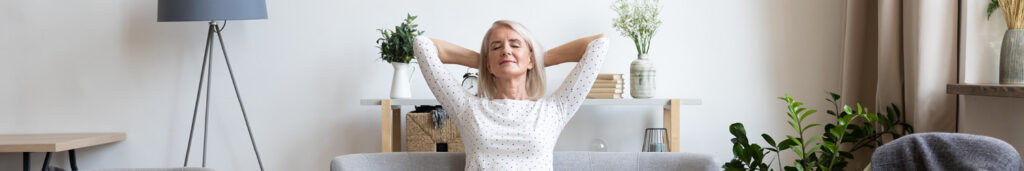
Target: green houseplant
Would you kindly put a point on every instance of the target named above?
(638, 20)
(818, 152)
(396, 48)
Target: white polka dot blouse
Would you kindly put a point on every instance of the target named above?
(506, 134)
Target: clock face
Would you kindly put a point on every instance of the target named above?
(469, 83)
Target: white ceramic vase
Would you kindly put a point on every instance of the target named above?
(400, 81)
(641, 78)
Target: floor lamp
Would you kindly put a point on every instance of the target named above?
(213, 11)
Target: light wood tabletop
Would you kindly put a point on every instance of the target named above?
(55, 142)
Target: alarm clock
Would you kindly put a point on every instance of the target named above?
(469, 82)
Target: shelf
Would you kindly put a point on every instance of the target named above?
(996, 90)
(588, 102)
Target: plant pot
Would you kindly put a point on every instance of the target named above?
(641, 78)
(400, 81)
(1011, 58)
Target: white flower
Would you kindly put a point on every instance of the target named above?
(638, 19)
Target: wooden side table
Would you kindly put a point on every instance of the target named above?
(50, 143)
(391, 114)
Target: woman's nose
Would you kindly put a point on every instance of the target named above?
(506, 51)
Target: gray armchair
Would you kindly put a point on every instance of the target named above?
(946, 151)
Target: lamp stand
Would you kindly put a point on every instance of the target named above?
(207, 70)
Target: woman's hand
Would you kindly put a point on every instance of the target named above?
(569, 52)
(454, 54)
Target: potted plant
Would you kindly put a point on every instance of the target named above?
(638, 20)
(396, 48)
(827, 151)
(1011, 56)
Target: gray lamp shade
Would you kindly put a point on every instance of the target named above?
(209, 10)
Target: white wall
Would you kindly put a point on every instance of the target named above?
(102, 66)
(991, 116)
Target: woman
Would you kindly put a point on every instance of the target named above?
(510, 126)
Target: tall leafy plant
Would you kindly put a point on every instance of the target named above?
(638, 20)
(396, 45)
(819, 152)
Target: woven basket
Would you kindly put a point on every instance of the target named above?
(421, 136)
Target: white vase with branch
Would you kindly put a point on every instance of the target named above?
(638, 20)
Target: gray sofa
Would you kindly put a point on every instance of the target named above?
(563, 161)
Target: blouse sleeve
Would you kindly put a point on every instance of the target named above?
(446, 89)
(570, 95)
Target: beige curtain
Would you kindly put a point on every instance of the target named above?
(902, 52)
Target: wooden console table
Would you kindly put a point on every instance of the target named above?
(391, 114)
(50, 143)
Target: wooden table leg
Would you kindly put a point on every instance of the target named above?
(391, 127)
(385, 125)
(671, 122)
(396, 128)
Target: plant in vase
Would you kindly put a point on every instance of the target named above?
(1011, 55)
(818, 152)
(638, 20)
(396, 48)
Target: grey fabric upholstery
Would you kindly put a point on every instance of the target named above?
(563, 161)
(946, 151)
(157, 169)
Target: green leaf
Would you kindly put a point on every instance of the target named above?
(871, 117)
(810, 126)
(813, 139)
(734, 165)
(808, 113)
(797, 141)
(835, 97)
(793, 125)
(847, 109)
(814, 149)
(785, 144)
(831, 146)
(992, 6)
(738, 151)
(837, 131)
(769, 139)
(736, 129)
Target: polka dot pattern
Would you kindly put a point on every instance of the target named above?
(504, 134)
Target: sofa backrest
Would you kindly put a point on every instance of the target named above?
(563, 161)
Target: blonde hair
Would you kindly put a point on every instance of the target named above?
(534, 77)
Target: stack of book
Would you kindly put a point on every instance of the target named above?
(607, 86)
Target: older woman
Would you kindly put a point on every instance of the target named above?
(511, 125)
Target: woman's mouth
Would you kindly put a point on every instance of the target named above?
(506, 61)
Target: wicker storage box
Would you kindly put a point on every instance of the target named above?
(421, 136)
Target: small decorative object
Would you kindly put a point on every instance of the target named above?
(1011, 56)
(654, 140)
(469, 82)
(599, 145)
(607, 86)
(638, 20)
(396, 48)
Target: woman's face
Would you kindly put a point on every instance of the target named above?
(509, 54)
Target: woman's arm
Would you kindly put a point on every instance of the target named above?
(446, 88)
(569, 52)
(454, 54)
(577, 84)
